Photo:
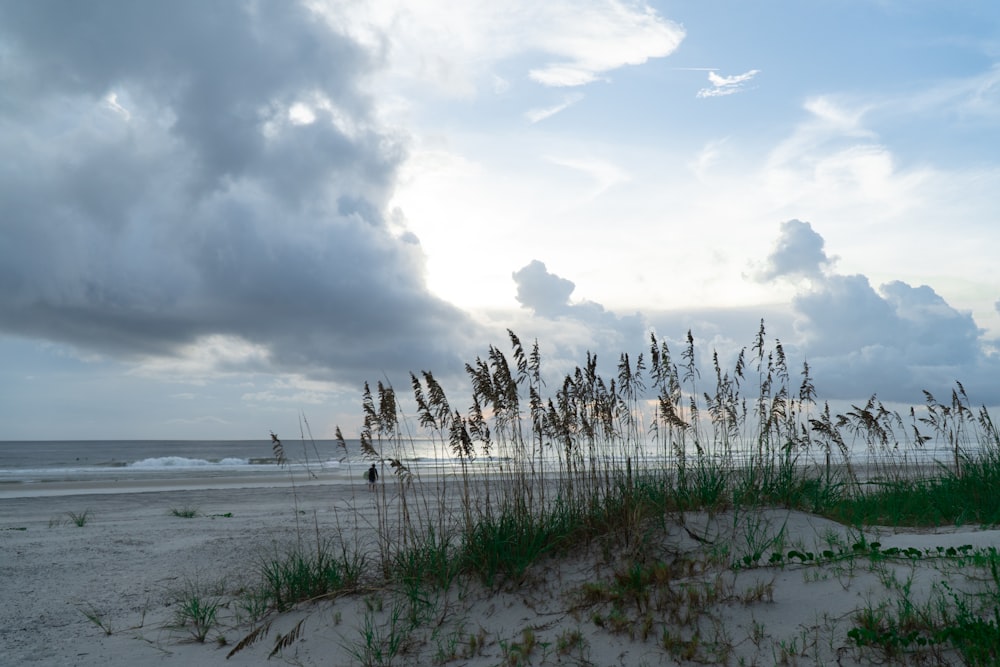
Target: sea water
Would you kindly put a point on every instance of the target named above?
(30, 468)
(194, 463)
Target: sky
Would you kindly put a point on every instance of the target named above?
(217, 219)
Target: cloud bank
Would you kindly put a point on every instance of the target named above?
(191, 172)
(895, 340)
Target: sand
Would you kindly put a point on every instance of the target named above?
(127, 564)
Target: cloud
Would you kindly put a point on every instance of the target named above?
(195, 173)
(604, 174)
(545, 293)
(538, 115)
(707, 158)
(835, 116)
(798, 252)
(895, 340)
(592, 40)
(571, 328)
(726, 85)
(454, 47)
(831, 161)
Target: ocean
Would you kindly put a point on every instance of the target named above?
(51, 467)
(41, 468)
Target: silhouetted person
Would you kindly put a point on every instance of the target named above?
(372, 477)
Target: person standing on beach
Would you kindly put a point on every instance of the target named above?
(372, 477)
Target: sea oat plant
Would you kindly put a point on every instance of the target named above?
(545, 467)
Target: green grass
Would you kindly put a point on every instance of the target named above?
(959, 622)
(299, 575)
(381, 641)
(429, 561)
(79, 519)
(951, 499)
(196, 609)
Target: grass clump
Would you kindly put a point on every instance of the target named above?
(381, 641)
(300, 576)
(185, 512)
(953, 498)
(98, 618)
(518, 653)
(79, 519)
(505, 547)
(196, 609)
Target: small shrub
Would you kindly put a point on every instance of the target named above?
(197, 610)
(185, 512)
(79, 519)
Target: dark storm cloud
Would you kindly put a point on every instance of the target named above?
(157, 189)
(894, 341)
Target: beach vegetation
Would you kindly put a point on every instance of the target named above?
(517, 653)
(185, 512)
(572, 642)
(676, 483)
(955, 619)
(251, 604)
(382, 639)
(98, 618)
(78, 519)
(196, 609)
(301, 575)
(448, 646)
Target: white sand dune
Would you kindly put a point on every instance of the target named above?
(127, 564)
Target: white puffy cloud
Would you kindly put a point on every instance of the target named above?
(727, 85)
(798, 252)
(573, 327)
(895, 340)
(455, 46)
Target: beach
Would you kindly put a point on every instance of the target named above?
(107, 592)
(125, 563)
